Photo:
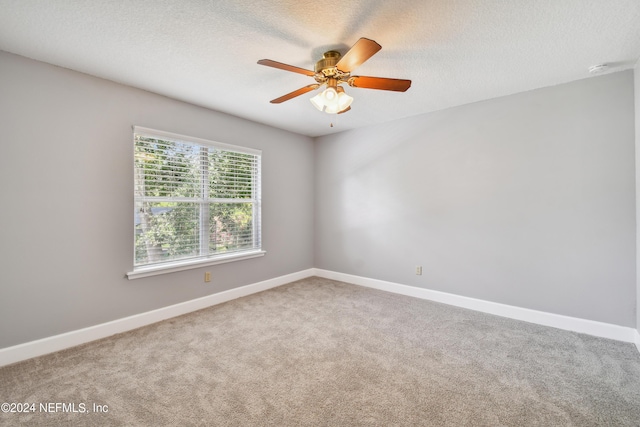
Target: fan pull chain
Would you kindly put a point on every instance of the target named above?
(335, 120)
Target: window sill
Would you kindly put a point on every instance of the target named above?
(188, 265)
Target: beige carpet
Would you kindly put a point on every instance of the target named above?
(323, 353)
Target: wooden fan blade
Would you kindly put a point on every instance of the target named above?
(286, 67)
(357, 55)
(381, 83)
(295, 93)
(345, 110)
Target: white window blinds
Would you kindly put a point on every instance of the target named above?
(194, 199)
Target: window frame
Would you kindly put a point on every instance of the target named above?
(202, 260)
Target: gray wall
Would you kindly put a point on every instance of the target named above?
(527, 200)
(66, 174)
(637, 111)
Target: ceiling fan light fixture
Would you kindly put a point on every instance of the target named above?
(332, 100)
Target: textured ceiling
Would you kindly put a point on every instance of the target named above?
(205, 52)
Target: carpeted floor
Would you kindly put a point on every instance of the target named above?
(322, 353)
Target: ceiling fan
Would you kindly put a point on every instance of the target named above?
(335, 69)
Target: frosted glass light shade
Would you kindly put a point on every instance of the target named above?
(332, 108)
(318, 101)
(329, 95)
(344, 101)
(332, 100)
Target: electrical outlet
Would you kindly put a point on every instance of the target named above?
(419, 270)
(207, 276)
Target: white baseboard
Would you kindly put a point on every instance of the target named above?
(70, 339)
(47, 345)
(590, 327)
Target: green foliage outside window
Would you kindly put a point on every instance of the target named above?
(192, 201)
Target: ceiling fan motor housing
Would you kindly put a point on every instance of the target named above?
(326, 68)
(328, 63)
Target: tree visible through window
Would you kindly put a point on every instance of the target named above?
(193, 199)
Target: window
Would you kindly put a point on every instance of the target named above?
(196, 202)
